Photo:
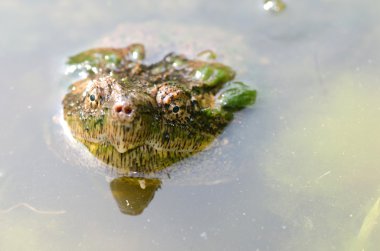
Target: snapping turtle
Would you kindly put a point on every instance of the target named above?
(142, 118)
(154, 113)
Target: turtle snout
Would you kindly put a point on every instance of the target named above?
(123, 111)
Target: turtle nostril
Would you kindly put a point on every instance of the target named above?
(118, 108)
(127, 109)
(123, 109)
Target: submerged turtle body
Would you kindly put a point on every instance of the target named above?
(142, 118)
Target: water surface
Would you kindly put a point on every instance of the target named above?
(302, 167)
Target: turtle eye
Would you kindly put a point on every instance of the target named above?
(176, 109)
(174, 102)
(93, 101)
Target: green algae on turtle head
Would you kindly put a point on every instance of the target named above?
(142, 118)
(95, 60)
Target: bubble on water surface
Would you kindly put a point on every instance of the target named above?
(275, 6)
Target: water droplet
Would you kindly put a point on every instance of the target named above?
(275, 6)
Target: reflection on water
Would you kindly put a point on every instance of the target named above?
(133, 195)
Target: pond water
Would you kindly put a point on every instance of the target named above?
(301, 170)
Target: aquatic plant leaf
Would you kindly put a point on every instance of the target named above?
(235, 96)
(214, 74)
(92, 61)
(369, 224)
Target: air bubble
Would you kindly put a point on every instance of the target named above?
(275, 6)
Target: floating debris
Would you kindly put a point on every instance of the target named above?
(31, 208)
(274, 6)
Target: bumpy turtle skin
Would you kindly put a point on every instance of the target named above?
(143, 118)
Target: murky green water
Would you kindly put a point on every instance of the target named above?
(301, 170)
